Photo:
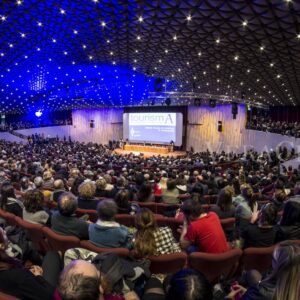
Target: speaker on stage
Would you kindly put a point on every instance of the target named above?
(92, 124)
(220, 126)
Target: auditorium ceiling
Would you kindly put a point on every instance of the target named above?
(68, 54)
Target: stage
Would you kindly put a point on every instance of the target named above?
(150, 154)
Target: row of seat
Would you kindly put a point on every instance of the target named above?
(212, 265)
(129, 220)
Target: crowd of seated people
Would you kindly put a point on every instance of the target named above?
(281, 127)
(18, 125)
(49, 184)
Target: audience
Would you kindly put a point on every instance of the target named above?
(224, 208)
(281, 283)
(64, 221)
(151, 239)
(63, 170)
(9, 202)
(171, 193)
(289, 225)
(122, 201)
(86, 198)
(247, 208)
(201, 230)
(106, 232)
(33, 211)
(263, 233)
(59, 188)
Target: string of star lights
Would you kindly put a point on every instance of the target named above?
(92, 53)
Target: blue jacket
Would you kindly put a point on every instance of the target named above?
(110, 237)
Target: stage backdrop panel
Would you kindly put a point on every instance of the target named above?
(207, 136)
(107, 124)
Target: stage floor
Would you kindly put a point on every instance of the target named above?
(150, 154)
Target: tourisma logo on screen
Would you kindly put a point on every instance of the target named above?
(152, 119)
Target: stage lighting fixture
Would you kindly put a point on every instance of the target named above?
(197, 101)
(168, 101)
(212, 103)
(38, 113)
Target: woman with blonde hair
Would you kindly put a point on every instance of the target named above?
(151, 239)
(282, 283)
(86, 199)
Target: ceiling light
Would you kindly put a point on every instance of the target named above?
(189, 18)
(40, 24)
(138, 37)
(262, 48)
(3, 18)
(199, 53)
(174, 37)
(103, 24)
(217, 40)
(271, 65)
(236, 57)
(62, 11)
(141, 19)
(298, 36)
(245, 23)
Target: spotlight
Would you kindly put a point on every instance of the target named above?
(38, 113)
(168, 101)
(197, 101)
(212, 103)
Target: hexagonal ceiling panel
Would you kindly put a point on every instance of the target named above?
(67, 54)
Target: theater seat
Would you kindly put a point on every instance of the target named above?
(257, 258)
(167, 263)
(162, 208)
(10, 218)
(149, 205)
(60, 242)
(35, 233)
(215, 266)
(91, 212)
(126, 220)
(88, 245)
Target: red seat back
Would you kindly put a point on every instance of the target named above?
(149, 205)
(89, 246)
(35, 234)
(126, 220)
(257, 258)
(167, 263)
(60, 242)
(213, 266)
(162, 207)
